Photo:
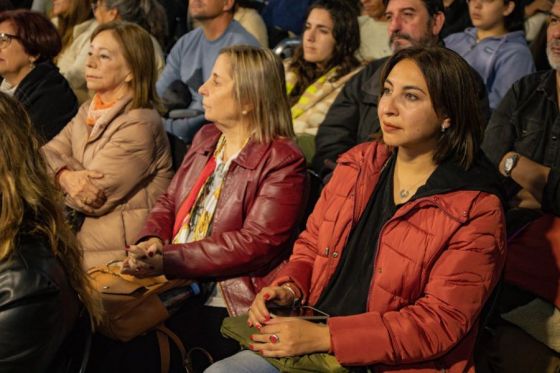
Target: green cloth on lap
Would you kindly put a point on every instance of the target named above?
(236, 328)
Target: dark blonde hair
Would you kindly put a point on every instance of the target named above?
(31, 204)
(138, 52)
(79, 11)
(258, 75)
(453, 90)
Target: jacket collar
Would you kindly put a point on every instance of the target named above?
(440, 189)
(108, 117)
(248, 158)
(372, 86)
(547, 85)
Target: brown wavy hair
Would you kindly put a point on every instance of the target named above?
(346, 33)
(80, 11)
(31, 204)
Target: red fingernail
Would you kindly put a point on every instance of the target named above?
(258, 326)
(251, 337)
(251, 347)
(266, 296)
(267, 318)
(249, 324)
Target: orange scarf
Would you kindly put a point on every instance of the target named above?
(97, 108)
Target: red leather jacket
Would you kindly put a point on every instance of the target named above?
(438, 259)
(254, 223)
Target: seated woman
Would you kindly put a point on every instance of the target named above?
(28, 44)
(231, 211)
(323, 63)
(41, 276)
(495, 47)
(112, 160)
(416, 217)
(148, 14)
(75, 24)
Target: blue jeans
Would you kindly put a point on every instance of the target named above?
(242, 362)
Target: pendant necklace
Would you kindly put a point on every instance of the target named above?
(403, 193)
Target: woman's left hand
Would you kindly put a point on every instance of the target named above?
(144, 260)
(291, 336)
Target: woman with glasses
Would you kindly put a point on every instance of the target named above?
(495, 47)
(28, 44)
(112, 160)
(75, 24)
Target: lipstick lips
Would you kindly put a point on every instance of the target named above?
(389, 127)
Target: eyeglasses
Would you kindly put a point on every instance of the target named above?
(6, 39)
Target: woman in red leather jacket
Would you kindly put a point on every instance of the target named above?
(230, 214)
(405, 243)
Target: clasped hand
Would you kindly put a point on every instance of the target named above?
(79, 185)
(144, 259)
(284, 336)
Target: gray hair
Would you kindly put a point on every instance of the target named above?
(148, 14)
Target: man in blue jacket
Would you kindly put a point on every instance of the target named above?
(191, 60)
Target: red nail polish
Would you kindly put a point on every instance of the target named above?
(251, 337)
(267, 318)
(258, 326)
(251, 347)
(249, 324)
(266, 296)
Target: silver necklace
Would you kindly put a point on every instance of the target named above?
(403, 193)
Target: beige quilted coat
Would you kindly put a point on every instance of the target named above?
(131, 149)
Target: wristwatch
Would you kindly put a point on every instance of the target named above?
(510, 163)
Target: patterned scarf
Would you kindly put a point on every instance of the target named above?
(197, 224)
(319, 88)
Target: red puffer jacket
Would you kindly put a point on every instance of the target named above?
(438, 259)
(254, 223)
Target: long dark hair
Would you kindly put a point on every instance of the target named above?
(452, 87)
(30, 204)
(346, 33)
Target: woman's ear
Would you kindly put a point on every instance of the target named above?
(510, 6)
(129, 77)
(446, 123)
(114, 14)
(246, 109)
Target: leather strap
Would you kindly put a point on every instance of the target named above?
(164, 334)
(165, 356)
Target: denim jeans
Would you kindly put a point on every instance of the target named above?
(243, 362)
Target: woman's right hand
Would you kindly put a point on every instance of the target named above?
(258, 313)
(79, 186)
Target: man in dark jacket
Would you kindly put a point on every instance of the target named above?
(352, 118)
(522, 140)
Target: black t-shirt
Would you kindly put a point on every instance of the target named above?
(347, 291)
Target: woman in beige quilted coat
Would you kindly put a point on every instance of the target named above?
(112, 160)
